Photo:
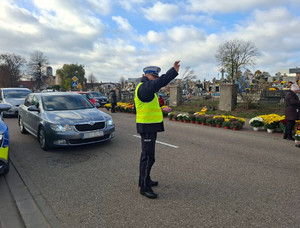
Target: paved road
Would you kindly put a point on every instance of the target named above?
(208, 177)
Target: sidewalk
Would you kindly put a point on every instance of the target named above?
(22, 205)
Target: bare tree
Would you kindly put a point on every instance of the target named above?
(10, 69)
(188, 74)
(92, 79)
(248, 93)
(37, 66)
(122, 81)
(236, 54)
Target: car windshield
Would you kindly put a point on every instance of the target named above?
(15, 94)
(86, 95)
(65, 102)
(96, 94)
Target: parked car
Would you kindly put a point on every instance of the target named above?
(64, 119)
(4, 142)
(101, 99)
(88, 96)
(13, 97)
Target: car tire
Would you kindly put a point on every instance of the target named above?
(21, 126)
(43, 138)
(6, 170)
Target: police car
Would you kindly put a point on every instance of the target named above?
(4, 142)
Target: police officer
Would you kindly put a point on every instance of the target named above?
(149, 121)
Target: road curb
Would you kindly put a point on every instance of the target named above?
(33, 208)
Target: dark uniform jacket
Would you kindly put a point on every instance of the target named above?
(146, 94)
(292, 106)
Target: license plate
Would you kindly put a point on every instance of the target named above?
(92, 134)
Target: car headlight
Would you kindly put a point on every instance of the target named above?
(1, 139)
(110, 122)
(61, 127)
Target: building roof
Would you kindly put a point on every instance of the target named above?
(294, 70)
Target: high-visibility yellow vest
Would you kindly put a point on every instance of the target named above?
(147, 112)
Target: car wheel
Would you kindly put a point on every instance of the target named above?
(21, 126)
(6, 170)
(43, 138)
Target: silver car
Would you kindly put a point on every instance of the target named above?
(64, 119)
(13, 97)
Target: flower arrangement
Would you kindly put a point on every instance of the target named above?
(129, 107)
(241, 120)
(165, 110)
(211, 122)
(297, 135)
(170, 115)
(180, 117)
(226, 124)
(204, 109)
(218, 120)
(199, 113)
(107, 106)
(271, 121)
(185, 117)
(236, 124)
(192, 118)
(256, 122)
(202, 119)
(175, 117)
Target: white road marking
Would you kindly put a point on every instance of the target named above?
(166, 144)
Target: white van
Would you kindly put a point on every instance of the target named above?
(14, 97)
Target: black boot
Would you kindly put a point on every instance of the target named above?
(152, 183)
(148, 193)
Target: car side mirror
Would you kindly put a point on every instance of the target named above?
(97, 105)
(4, 107)
(33, 108)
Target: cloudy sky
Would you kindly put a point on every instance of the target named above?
(115, 38)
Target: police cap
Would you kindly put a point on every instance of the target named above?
(154, 70)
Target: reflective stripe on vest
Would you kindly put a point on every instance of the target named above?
(147, 112)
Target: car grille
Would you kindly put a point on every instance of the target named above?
(91, 140)
(88, 127)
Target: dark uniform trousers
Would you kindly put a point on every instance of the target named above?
(113, 107)
(289, 128)
(147, 159)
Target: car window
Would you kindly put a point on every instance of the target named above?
(88, 96)
(96, 94)
(10, 94)
(65, 102)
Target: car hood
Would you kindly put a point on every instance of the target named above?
(100, 97)
(76, 116)
(15, 102)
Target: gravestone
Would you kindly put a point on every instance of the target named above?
(228, 96)
(175, 96)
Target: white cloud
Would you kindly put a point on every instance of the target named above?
(275, 33)
(230, 6)
(130, 5)
(274, 30)
(123, 23)
(161, 12)
(101, 6)
(67, 16)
